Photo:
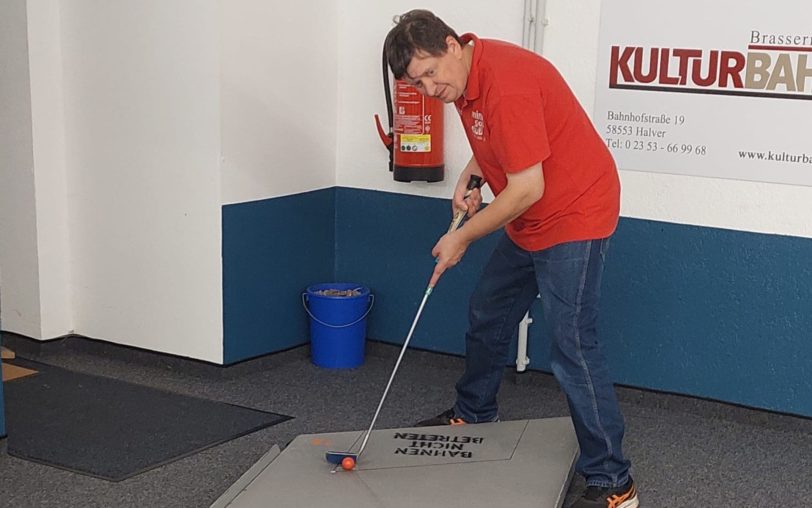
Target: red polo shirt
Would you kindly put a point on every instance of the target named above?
(517, 111)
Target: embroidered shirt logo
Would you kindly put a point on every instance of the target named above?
(478, 127)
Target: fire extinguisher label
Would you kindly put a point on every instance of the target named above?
(415, 142)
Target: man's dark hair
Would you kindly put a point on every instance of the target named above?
(416, 30)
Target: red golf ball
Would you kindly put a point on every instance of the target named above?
(348, 463)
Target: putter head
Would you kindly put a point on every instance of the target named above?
(337, 457)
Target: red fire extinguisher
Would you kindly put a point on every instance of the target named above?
(415, 138)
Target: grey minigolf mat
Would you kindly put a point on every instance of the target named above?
(524, 463)
(245, 480)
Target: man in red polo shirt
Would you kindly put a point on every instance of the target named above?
(557, 196)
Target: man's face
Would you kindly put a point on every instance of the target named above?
(443, 77)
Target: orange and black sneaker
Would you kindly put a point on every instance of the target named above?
(448, 417)
(604, 497)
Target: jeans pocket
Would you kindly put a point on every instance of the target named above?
(569, 252)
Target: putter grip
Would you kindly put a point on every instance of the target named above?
(474, 182)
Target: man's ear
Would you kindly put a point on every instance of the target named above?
(452, 46)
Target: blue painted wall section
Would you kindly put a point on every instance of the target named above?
(272, 250)
(707, 312)
(710, 312)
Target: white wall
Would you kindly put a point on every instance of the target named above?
(571, 42)
(279, 103)
(138, 122)
(142, 124)
(19, 272)
(45, 59)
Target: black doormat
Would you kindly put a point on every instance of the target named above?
(112, 429)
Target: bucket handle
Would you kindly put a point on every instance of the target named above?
(304, 303)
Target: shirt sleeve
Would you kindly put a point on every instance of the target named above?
(518, 134)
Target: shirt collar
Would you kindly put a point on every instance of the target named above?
(472, 86)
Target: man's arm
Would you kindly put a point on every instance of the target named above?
(523, 189)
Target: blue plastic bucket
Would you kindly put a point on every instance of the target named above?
(338, 325)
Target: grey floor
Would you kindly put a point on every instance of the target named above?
(685, 452)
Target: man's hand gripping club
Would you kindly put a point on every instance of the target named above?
(466, 202)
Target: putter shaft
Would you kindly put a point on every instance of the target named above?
(394, 371)
(474, 182)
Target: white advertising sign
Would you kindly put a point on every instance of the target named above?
(719, 89)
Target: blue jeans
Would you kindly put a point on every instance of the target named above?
(568, 278)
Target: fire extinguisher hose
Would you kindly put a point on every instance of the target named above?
(389, 112)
